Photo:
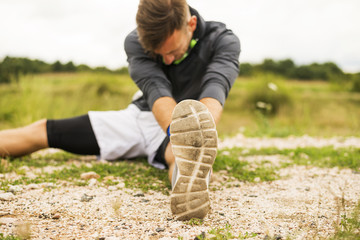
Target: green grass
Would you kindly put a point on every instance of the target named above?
(239, 169)
(138, 173)
(61, 96)
(135, 173)
(55, 159)
(195, 222)
(321, 157)
(223, 233)
(350, 226)
(2, 237)
(317, 108)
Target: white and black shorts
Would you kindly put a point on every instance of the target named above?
(124, 134)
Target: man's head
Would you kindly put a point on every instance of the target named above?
(165, 27)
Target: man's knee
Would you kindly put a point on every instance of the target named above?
(38, 126)
(38, 132)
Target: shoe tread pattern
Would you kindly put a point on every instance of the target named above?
(194, 144)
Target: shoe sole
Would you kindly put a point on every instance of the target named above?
(194, 144)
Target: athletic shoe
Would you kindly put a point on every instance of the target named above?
(194, 144)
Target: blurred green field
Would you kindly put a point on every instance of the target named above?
(315, 108)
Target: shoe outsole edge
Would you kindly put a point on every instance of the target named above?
(194, 143)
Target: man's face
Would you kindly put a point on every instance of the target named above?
(177, 44)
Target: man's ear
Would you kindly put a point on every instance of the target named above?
(192, 23)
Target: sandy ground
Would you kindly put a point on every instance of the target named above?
(306, 203)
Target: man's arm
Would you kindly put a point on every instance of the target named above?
(214, 108)
(164, 106)
(223, 69)
(162, 110)
(145, 71)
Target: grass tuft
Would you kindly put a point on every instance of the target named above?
(137, 173)
(195, 222)
(223, 234)
(349, 226)
(320, 157)
(9, 237)
(239, 169)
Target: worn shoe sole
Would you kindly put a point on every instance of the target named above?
(194, 144)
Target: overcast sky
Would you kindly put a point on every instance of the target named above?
(93, 31)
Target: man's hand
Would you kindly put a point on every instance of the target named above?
(162, 109)
(164, 106)
(214, 108)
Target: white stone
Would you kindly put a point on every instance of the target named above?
(112, 188)
(7, 220)
(15, 189)
(93, 182)
(120, 185)
(89, 175)
(7, 196)
(33, 186)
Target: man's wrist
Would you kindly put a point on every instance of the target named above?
(168, 131)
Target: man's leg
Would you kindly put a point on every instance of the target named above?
(24, 140)
(170, 160)
(194, 147)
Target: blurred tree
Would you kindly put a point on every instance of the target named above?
(333, 72)
(123, 70)
(57, 66)
(269, 65)
(286, 67)
(69, 67)
(355, 80)
(4, 77)
(11, 69)
(246, 69)
(83, 68)
(101, 69)
(303, 73)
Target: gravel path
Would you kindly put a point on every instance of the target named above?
(304, 204)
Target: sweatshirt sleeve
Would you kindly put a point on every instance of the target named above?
(145, 71)
(223, 69)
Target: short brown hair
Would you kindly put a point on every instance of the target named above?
(158, 19)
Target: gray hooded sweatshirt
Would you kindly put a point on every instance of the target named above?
(209, 70)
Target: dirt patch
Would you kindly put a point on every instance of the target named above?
(306, 203)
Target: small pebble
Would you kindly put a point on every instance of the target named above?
(92, 182)
(3, 213)
(86, 198)
(139, 194)
(112, 188)
(15, 189)
(107, 178)
(32, 186)
(89, 175)
(160, 230)
(7, 196)
(4, 221)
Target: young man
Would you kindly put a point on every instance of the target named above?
(184, 68)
